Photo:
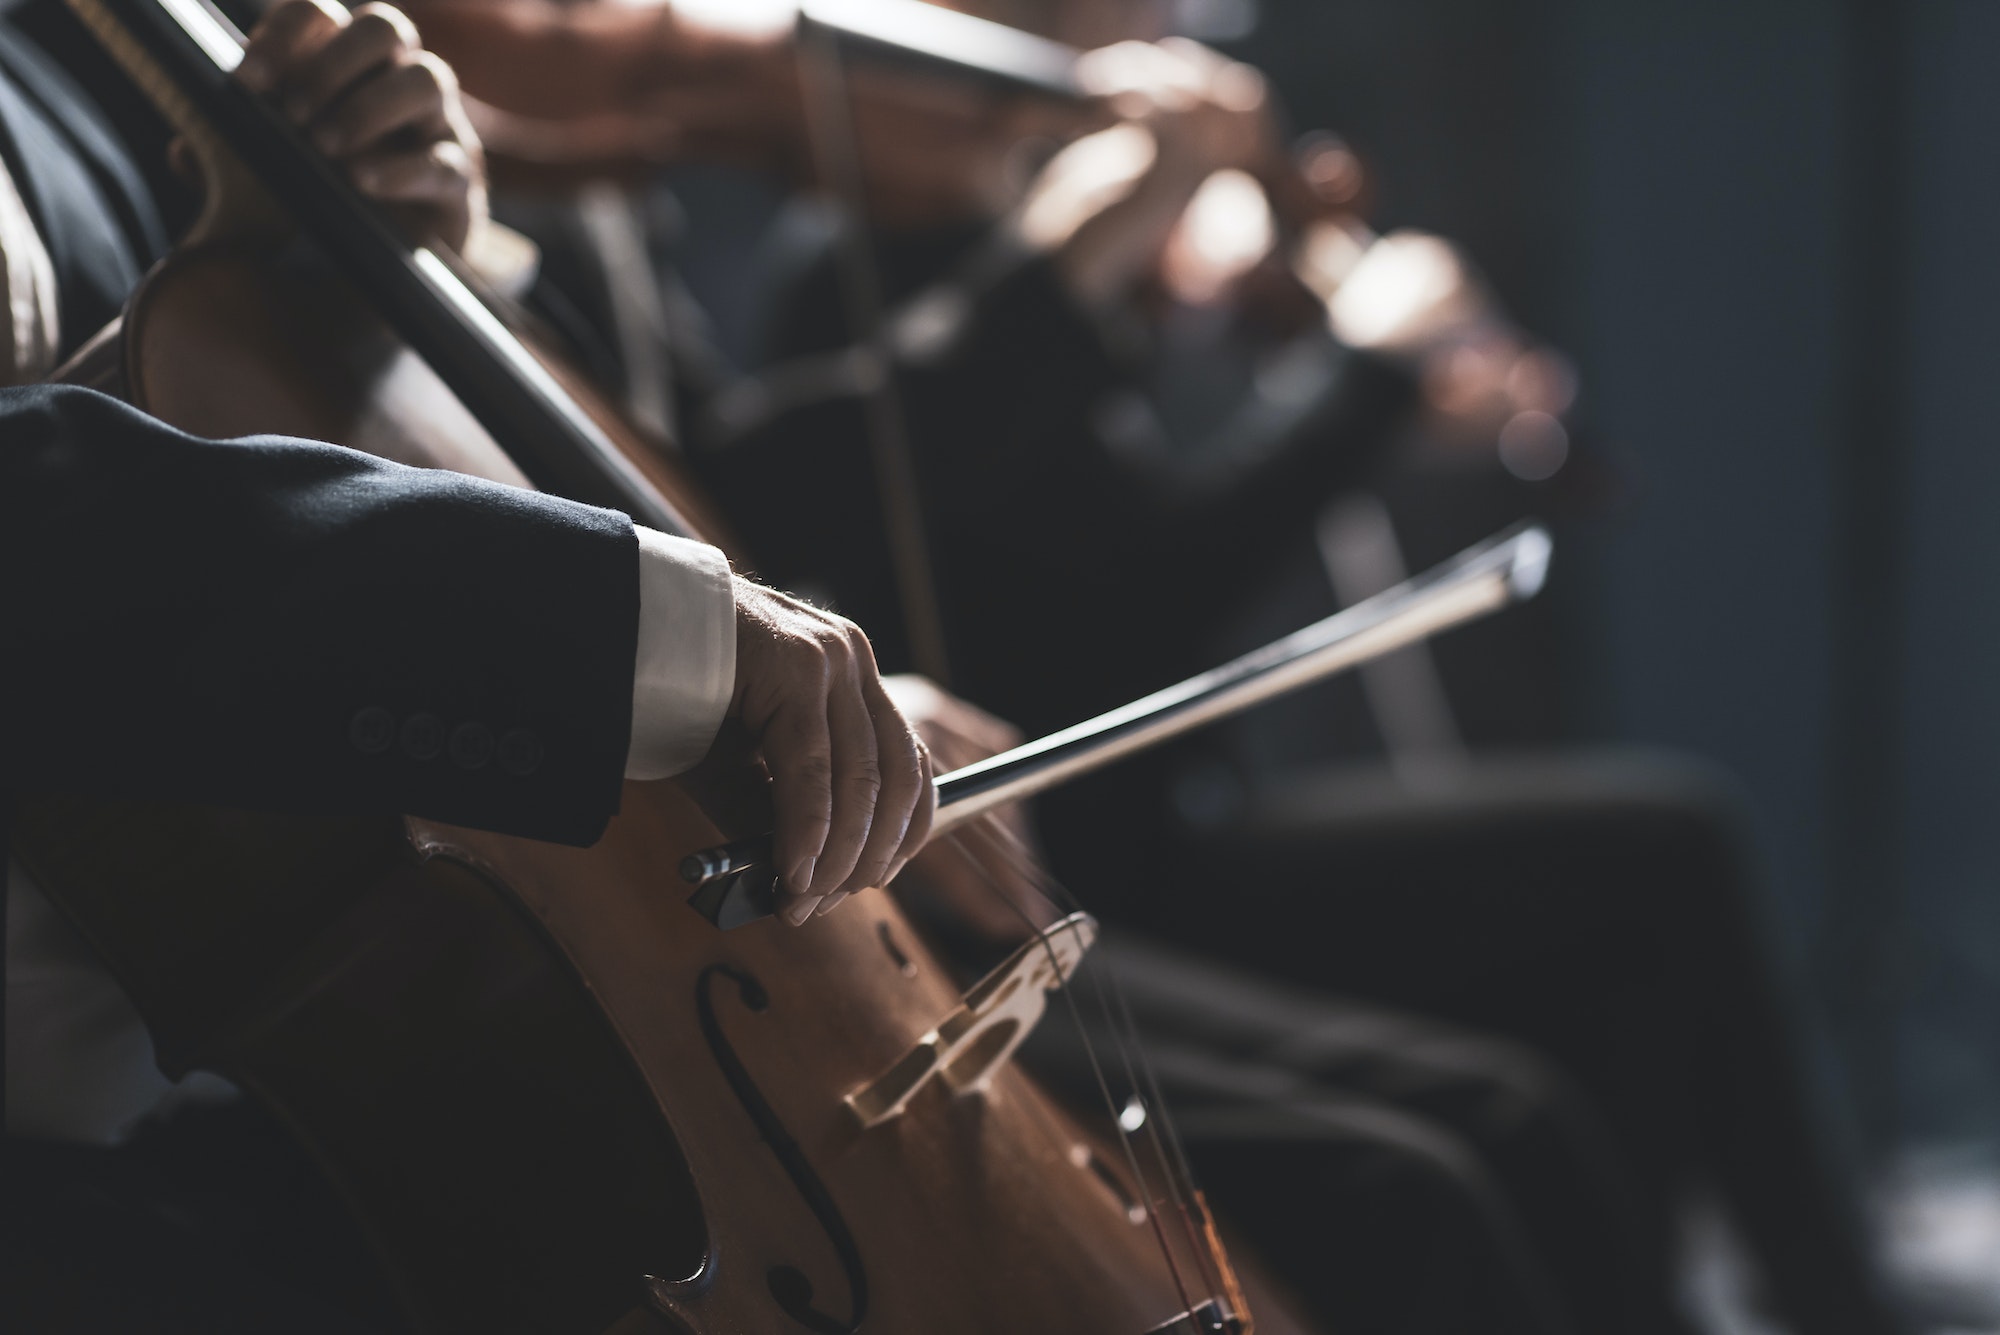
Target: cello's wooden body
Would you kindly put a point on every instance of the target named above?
(497, 1050)
(555, 1099)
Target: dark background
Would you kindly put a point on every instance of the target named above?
(1766, 231)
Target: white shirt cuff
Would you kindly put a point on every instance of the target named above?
(686, 668)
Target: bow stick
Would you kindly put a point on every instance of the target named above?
(737, 883)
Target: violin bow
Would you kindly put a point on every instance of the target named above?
(735, 882)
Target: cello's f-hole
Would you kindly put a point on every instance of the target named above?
(904, 964)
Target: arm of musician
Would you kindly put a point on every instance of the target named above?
(571, 92)
(278, 623)
(562, 62)
(274, 623)
(608, 89)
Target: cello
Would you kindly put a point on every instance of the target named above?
(553, 1098)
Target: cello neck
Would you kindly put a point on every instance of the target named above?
(182, 53)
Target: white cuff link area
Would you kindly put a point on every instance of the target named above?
(686, 667)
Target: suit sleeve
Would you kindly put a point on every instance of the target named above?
(274, 623)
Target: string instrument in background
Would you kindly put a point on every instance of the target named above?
(1486, 389)
(1415, 292)
(554, 1098)
(1322, 181)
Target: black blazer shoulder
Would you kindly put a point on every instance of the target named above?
(280, 624)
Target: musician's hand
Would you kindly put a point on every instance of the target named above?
(1107, 206)
(850, 781)
(371, 98)
(1206, 112)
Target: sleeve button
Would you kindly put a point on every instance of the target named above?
(471, 745)
(423, 736)
(520, 752)
(372, 730)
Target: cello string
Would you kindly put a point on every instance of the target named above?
(1042, 935)
(1162, 1134)
(1163, 1112)
(1103, 982)
(1010, 844)
(1053, 890)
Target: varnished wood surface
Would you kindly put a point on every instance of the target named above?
(976, 1213)
(493, 1045)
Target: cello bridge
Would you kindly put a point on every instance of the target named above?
(971, 1043)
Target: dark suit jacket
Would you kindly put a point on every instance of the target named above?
(265, 622)
(275, 623)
